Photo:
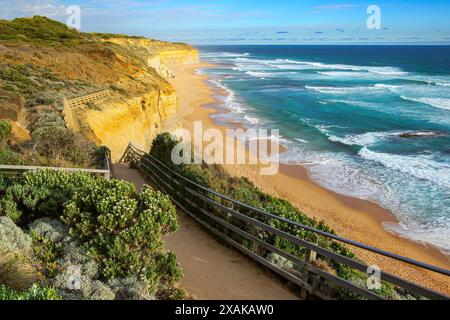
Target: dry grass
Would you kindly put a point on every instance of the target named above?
(16, 271)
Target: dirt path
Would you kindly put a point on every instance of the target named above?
(211, 270)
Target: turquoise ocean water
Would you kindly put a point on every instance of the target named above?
(372, 122)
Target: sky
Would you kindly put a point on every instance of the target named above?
(253, 21)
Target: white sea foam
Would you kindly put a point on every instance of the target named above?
(421, 167)
(391, 188)
(260, 75)
(387, 86)
(342, 74)
(301, 140)
(263, 75)
(232, 55)
(441, 103)
(357, 103)
(389, 71)
(343, 90)
(364, 139)
(251, 120)
(355, 89)
(370, 138)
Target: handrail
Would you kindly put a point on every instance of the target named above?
(105, 172)
(317, 231)
(92, 97)
(166, 171)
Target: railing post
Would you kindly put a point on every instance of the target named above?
(227, 219)
(255, 245)
(310, 257)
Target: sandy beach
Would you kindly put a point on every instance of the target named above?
(356, 219)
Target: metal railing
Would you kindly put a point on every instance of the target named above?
(14, 170)
(240, 225)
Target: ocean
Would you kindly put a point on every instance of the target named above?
(371, 122)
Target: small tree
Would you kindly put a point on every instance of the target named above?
(5, 132)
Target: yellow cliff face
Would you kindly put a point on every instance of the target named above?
(179, 57)
(143, 113)
(137, 120)
(160, 52)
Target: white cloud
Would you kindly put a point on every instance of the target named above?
(19, 8)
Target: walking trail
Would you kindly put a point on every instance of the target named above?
(212, 271)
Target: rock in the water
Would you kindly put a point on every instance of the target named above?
(421, 134)
(13, 238)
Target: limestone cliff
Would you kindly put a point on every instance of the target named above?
(135, 120)
(137, 116)
(160, 55)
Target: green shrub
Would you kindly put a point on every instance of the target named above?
(53, 142)
(47, 253)
(10, 157)
(118, 227)
(36, 292)
(8, 208)
(40, 30)
(41, 194)
(5, 132)
(15, 74)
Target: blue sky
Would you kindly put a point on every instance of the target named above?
(253, 21)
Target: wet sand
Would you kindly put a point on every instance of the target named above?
(353, 218)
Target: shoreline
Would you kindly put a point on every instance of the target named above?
(357, 219)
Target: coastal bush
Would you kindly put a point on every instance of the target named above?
(36, 292)
(46, 253)
(123, 228)
(10, 157)
(241, 189)
(8, 209)
(5, 132)
(119, 228)
(13, 238)
(41, 30)
(57, 142)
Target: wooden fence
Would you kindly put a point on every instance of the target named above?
(13, 170)
(70, 105)
(93, 97)
(240, 225)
